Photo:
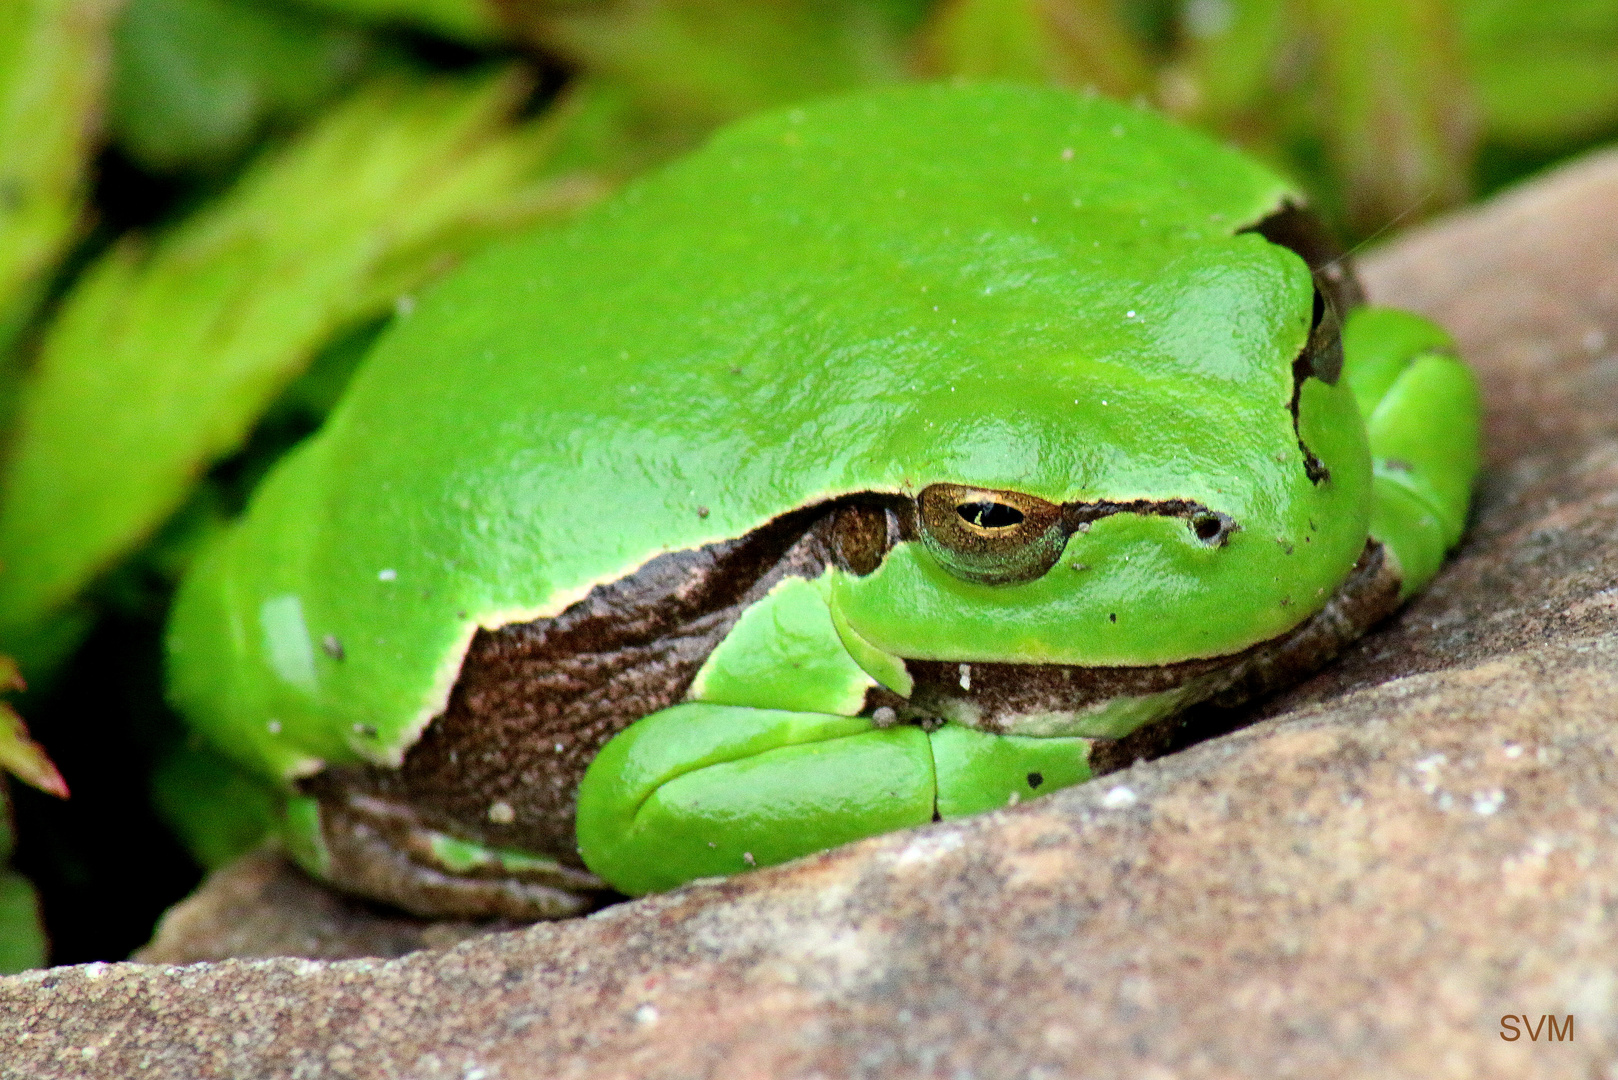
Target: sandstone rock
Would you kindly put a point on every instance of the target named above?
(262, 905)
(1410, 846)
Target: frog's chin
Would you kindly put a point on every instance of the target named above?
(1113, 702)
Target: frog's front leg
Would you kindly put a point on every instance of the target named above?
(1421, 410)
(700, 790)
(770, 760)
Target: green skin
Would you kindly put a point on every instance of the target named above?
(1005, 289)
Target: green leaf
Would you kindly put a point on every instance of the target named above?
(1397, 117)
(1546, 73)
(22, 935)
(217, 811)
(166, 351)
(1081, 44)
(19, 755)
(1225, 72)
(474, 22)
(194, 81)
(53, 64)
(699, 63)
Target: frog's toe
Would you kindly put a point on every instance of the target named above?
(1424, 437)
(1411, 526)
(979, 770)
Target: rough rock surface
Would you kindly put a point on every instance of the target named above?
(1413, 845)
(262, 905)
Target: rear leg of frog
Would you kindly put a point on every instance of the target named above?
(1422, 417)
(373, 848)
(787, 746)
(477, 821)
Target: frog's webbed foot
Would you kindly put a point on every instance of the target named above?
(1421, 410)
(703, 790)
(784, 749)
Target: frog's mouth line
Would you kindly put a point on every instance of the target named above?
(1053, 699)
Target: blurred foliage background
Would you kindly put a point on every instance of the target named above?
(208, 208)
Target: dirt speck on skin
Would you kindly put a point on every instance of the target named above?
(1406, 848)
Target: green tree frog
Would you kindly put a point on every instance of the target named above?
(890, 459)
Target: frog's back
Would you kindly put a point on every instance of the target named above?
(842, 298)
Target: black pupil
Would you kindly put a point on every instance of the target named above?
(1207, 528)
(990, 515)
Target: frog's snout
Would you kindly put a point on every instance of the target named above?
(1005, 537)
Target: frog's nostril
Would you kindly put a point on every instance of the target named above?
(1212, 528)
(990, 515)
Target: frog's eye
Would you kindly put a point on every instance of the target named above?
(990, 537)
(988, 515)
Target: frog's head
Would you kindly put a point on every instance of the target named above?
(1181, 475)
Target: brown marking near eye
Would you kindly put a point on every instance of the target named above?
(862, 534)
(1001, 693)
